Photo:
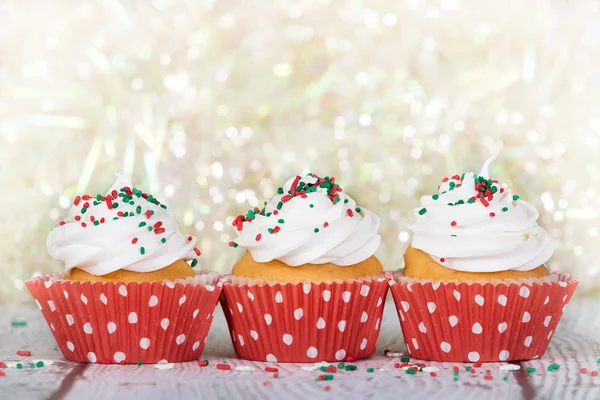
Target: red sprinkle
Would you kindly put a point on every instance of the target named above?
(2, 373)
(404, 364)
(433, 374)
(159, 231)
(86, 197)
(23, 353)
(134, 240)
(351, 359)
(473, 371)
(327, 388)
(190, 238)
(77, 200)
(501, 190)
(265, 383)
(197, 251)
(2, 365)
(61, 223)
(350, 213)
(488, 377)
(148, 214)
(275, 212)
(321, 377)
(77, 218)
(492, 214)
(258, 237)
(92, 218)
(158, 224)
(86, 205)
(276, 229)
(594, 373)
(477, 364)
(120, 213)
(455, 368)
(396, 365)
(445, 180)
(83, 224)
(326, 224)
(286, 198)
(202, 363)
(271, 369)
(484, 201)
(102, 220)
(225, 367)
(583, 371)
(442, 259)
(453, 223)
(275, 375)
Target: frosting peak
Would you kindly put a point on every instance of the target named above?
(309, 221)
(475, 224)
(125, 229)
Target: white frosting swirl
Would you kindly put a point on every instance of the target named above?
(102, 239)
(315, 229)
(473, 237)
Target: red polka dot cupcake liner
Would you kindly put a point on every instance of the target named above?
(488, 322)
(304, 322)
(118, 323)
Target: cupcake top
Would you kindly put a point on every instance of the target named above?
(475, 224)
(125, 229)
(309, 221)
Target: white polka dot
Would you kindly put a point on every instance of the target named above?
(377, 323)
(409, 287)
(342, 326)
(230, 311)
(422, 327)
(278, 297)
(320, 323)
(401, 315)
(271, 358)
(565, 298)
(502, 300)
(453, 320)
(565, 306)
(170, 284)
(379, 301)
(364, 290)
(456, 294)
(473, 356)
(550, 334)
(524, 291)
(240, 307)
(528, 341)
(51, 305)
(547, 300)
(312, 352)
(363, 344)
(132, 318)
(209, 315)
(431, 307)
(479, 300)
(503, 356)
(52, 326)
(195, 314)
(477, 328)
(326, 295)
(364, 316)
(66, 294)
(123, 290)
(83, 299)
(38, 304)
(445, 346)
(233, 335)
(111, 327)
(182, 299)
(405, 305)
(70, 319)
(526, 317)
(91, 357)
(195, 346)
(48, 284)
(241, 340)
(144, 343)
(103, 298)
(210, 288)
(346, 296)
(87, 328)
(70, 346)
(153, 301)
(562, 284)
(268, 319)
(298, 313)
(254, 335)
(340, 354)
(287, 339)
(306, 288)
(502, 327)
(119, 356)
(250, 295)
(164, 323)
(547, 320)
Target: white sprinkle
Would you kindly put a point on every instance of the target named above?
(510, 367)
(310, 368)
(244, 368)
(430, 369)
(164, 366)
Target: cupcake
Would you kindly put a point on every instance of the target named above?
(308, 287)
(475, 286)
(128, 293)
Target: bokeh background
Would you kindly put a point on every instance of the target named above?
(211, 105)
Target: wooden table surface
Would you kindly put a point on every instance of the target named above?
(575, 345)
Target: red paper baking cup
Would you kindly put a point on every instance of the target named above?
(122, 323)
(310, 322)
(489, 322)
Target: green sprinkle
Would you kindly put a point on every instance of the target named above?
(83, 210)
(224, 361)
(357, 209)
(370, 370)
(32, 365)
(281, 221)
(142, 250)
(515, 197)
(279, 205)
(18, 323)
(270, 230)
(234, 245)
(150, 228)
(142, 224)
(323, 369)
(194, 262)
(450, 204)
(96, 223)
(405, 359)
(126, 214)
(468, 369)
(312, 206)
(505, 378)
(131, 202)
(115, 218)
(435, 197)
(40, 364)
(345, 201)
(504, 209)
(422, 211)
(455, 378)
(316, 230)
(163, 206)
(19, 365)
(530, 369)
(138, 209)
(139, 363)
(115, 205)
(163, 240)
(410, 371)
(280, 191)
(459, 202)
(470, 201)
(341, 365)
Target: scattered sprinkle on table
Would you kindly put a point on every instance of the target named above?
(164, 366)
(510, 367)
(244, 368)
(389, 353)
(224, 367)
(271, 369)
(18, 324)
(203, 363)
(23, 353)
(531, 369)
